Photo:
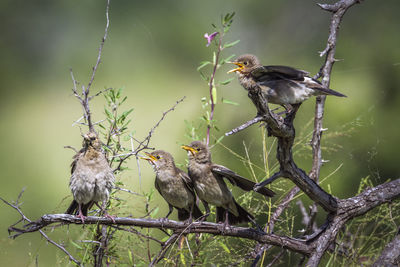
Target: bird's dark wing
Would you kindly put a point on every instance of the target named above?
(238, 180)
(266, 73)
(157, 187)
(186, 179)
(75, 159)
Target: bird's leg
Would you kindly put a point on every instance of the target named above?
(103, 209)
(226, 222)
(288, 109)
(165, 219)
(190, 219)
(205, 204)
(80, 214)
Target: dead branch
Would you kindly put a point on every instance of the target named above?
(390, 255)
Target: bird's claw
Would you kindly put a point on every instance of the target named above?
(82, 217)
(163, 221)
(110, 217)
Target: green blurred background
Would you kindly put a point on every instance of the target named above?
(152, 51)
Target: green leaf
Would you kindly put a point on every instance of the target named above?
(224, 247)
(108, 114)
(203, 64)
(219, 139)
(76, 245)
(155, 211)
(228, 59)
(226, 81)
(182, 257)
(226, 101)
(214, 94)
(205, 78)
(123, 100)
(130, 257)
(231, 44)
(119, 93)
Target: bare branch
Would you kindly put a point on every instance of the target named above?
(390, 255)
(24, 218)
(245, 125)
(339, 9)
(100, 50)
(350, 208)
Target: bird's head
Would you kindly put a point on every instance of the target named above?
(91, 139)
(198, 151)
(245, 64)
(159, 159)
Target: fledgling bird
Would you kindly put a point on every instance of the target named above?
(209, 184)
(174, 185)
(280, 85)
(91, 178)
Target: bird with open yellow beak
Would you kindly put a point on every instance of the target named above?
(209, 184)
(174, 185)
(280, 85)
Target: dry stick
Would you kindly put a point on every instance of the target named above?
(24, 218)
(338, 9)
(85, 98)
(136, 232)
(390, 255)
(164, 249)
(245, 125)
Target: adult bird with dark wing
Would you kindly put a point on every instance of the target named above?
(92, 179)
(209, 184)
(280, 85)
(174, 185)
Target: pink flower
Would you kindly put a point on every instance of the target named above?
(210, 37)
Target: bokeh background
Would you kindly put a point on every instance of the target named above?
(152, 51)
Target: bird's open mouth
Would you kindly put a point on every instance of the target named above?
(150, 158)
(189, 148)
(239, 68)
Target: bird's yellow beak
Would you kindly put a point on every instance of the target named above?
(239, 68)
(150, 157)
(189, 148)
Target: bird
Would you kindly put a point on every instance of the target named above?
(282, 85)
(92, 179)
(209, 184)
(174, 185)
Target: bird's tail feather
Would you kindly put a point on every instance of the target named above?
(327, 91)
(244, 215)
(73, 209)
(184, 214)
(197, 212)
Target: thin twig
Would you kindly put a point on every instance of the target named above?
(24, 218)
(144, 144)
(245, 125)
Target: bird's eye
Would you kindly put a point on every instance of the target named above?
(198, 149)
(158, 157)
(245, 63)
